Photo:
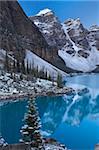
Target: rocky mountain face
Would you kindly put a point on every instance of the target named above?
(77, 33)
(76, 45)
(18, 33)
(93, 36)
(51, 28)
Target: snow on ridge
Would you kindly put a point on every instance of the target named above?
(67, 35)
(73, 23)
(94, 28)
(44, 11)
(42, 64)
(78, 62)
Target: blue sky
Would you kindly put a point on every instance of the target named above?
(87, 11)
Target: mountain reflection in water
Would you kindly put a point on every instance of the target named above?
(71, 119)
(68, 109)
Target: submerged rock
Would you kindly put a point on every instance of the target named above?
(83, 91)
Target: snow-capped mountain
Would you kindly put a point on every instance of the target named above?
(19, 34)
(77, 46)
(68, 46)
(83, 56)
(51, 27)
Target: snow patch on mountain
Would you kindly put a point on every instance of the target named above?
(79, 63)
(76, 61)
(68, 37)
(42, 64)
(94, 28)
(73, 24)
(43, 12)
(43, 25)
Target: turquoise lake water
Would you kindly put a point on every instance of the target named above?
(72, 120)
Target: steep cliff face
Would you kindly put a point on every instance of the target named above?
(17, 32)
(77, 32)
(93, 36)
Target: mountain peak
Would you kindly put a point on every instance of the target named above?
(73, 22)
(94, 28)
(44, 12)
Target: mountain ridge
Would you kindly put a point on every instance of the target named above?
(44, 35)
(19, 33)
(76, 45)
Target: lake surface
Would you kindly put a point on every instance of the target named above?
(89, 80)
(72, 120)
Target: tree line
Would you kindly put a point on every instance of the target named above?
(27, 68)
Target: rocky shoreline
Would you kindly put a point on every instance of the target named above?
(13, 89)
(17, 89)
(51, 145)
(20, 96)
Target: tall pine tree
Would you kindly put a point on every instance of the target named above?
(6, 64)
(23, 66)
(18, 66)
(14, 65)
(27, 67)
(31, 130)
(59, 81)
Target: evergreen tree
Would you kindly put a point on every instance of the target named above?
(23, 67)
(41, 73)
(46, 74)
(21, 76)
(14, 66)
(37, 72)
(53, 79)
(49, 77)
(18, 66)
(59, 80)
(27, 67)
(14, 77)
(31, 130)
(32, 68)
(6, 64)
